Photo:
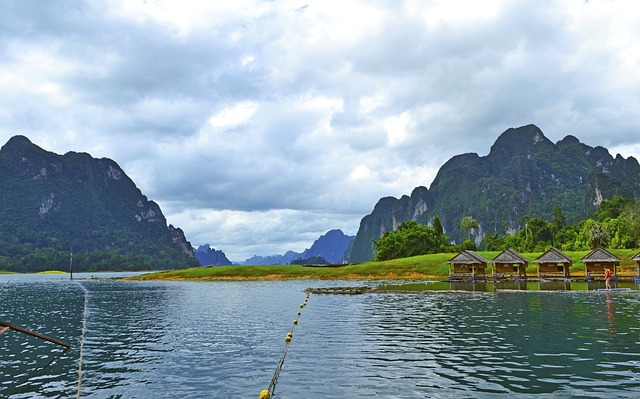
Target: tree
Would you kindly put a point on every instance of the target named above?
(437, 226)
(410, 239)
(558, 220)
(611, 209)
(595, 234)
(494, 242)
(631, 214)
(441, 238)
(468, 224)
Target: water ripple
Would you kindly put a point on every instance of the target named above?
(200, 340)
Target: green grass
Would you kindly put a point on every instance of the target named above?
(417, 267)
(52, 272)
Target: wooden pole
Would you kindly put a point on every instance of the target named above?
(34, 334)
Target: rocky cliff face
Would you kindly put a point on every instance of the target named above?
(56, 202)
(524, 174)
(208, 256)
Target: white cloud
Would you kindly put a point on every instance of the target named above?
(234, 115)
(258, 126)
(397, 129)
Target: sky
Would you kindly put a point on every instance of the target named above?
(258, 126)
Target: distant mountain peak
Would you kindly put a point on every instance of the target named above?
(208, 256)
(519, 141)
(333, 246)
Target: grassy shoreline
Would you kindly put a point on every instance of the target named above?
(414, 268)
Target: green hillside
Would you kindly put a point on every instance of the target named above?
(51, 205)
(524, 174)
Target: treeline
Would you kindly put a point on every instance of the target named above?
(29, 258)
(312, 260)
(616, 224)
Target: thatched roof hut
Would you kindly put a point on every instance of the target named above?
(467, 264)
(510, 263)
(596, 261)
(553, 263)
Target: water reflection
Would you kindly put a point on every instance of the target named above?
(223, 339)
(516, 285)
(611, 312)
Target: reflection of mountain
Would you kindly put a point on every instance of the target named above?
(524, 174)
(332, 246)
(50, 203)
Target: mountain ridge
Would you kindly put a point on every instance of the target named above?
(51, 203)
(333, 246)
(524, 174)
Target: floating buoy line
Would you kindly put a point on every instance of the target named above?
(84, 329)
(267, 393)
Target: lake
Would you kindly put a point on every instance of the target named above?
(224, 340)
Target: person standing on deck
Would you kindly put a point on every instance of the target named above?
(607, 278)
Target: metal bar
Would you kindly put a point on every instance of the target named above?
(34, 334)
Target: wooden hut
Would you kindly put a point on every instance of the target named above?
(509, 263)
(596, 260)
(636, 271)
(553, 263)
(467, 264)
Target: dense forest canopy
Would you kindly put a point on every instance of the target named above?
(616, 225)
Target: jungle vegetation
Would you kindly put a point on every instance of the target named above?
(615, 225)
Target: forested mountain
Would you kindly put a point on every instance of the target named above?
(52, 204)
(524, 174)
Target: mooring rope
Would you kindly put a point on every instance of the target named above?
(84, 329)
(267, 393)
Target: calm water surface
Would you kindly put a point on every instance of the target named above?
(224, 339)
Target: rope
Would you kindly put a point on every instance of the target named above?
(267, 393)
(84, 329)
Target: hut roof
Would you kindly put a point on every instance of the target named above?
(510, 256)
(553, 256)
(600, 255)
(468, 257)
(636, 257)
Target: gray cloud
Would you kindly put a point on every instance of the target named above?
(258, 126)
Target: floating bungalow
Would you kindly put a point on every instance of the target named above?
(553, 263)
(636, 271)
(509, 263)
(467, 265)
(596, 260)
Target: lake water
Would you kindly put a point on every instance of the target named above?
(224, 340)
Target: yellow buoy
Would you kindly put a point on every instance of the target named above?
(299, 313)
(288, 338)
(264, 394)
(295, 322)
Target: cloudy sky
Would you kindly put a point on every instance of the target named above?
(260, 125)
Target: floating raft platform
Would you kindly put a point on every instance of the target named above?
(374, 290)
